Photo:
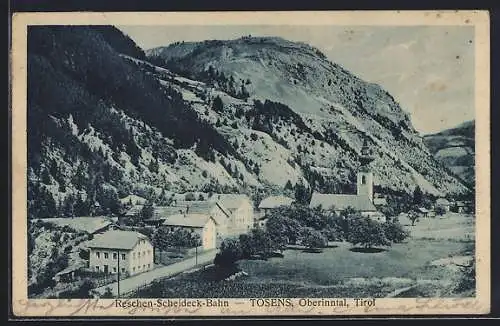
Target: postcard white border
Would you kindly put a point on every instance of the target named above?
(241, 307)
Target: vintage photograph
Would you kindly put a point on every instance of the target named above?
(211, 161)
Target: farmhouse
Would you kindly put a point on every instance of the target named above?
(161, 213)
(127, 252)
(241, 209)
(205, 226)
(132, 200)
(424, 212)
(443, 203)
(213, 209)
(271, 202)
(362, 201)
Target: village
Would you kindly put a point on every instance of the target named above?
(148, 243)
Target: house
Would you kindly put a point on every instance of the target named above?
(204, 225)
(161, 213)
(271, 202)
(241, 209)
(211, 208)
(444, 203)
(89, 224)
(70, 273)
(117, 251)
(340, 202)
(132, 200)
(424, 212)
(362, 201)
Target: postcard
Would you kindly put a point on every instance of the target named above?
(189, 164)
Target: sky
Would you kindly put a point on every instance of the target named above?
(429, 70)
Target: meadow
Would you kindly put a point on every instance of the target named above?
(424, 265)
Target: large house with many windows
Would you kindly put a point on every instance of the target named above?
(126, 252)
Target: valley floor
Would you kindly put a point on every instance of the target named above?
(425, 265)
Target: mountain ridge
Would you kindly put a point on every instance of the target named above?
(105, 121)
(455, 148)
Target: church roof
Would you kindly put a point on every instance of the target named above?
(340, 202)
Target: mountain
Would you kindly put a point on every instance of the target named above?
(106, 120)
(455, 148)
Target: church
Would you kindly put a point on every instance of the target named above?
(362, 201)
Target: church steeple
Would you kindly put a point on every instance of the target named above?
(365, 175)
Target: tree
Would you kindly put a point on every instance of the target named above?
(153, 166)
(147, 211)
(313, 239)
(413, 216)
(288, 185)
(366, 232)
(302, 194)
(230, 252)
(395, 232)
(417, 196)
(217, 104)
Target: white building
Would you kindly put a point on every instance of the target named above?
(362, 201)
(213, 209)
(205, 226)
(241, 209)
(126, 251)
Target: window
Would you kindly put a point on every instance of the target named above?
(123, 256)
(133, 269)
(115, 255)
(97, 268)
(363, 179)
(149, 266)
(144, 266)
(138, 255)
(106, 255)
(123, 270)
(98, 254)
(144, 253)
(139, 267)
(114, 269)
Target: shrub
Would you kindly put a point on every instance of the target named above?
(313, 239)
(230, 252)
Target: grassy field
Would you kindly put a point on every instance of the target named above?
(339, 271)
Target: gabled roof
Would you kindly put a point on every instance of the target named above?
(200, 206)
(134, 210)
(340, 202)
(136, 200)
(231, 201)
(163, 212)
(423, 210)
(442, 201)
(188, 220)
(117, 239)
(275, 201)
(90, 224)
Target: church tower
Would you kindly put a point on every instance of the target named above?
(365, 175)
